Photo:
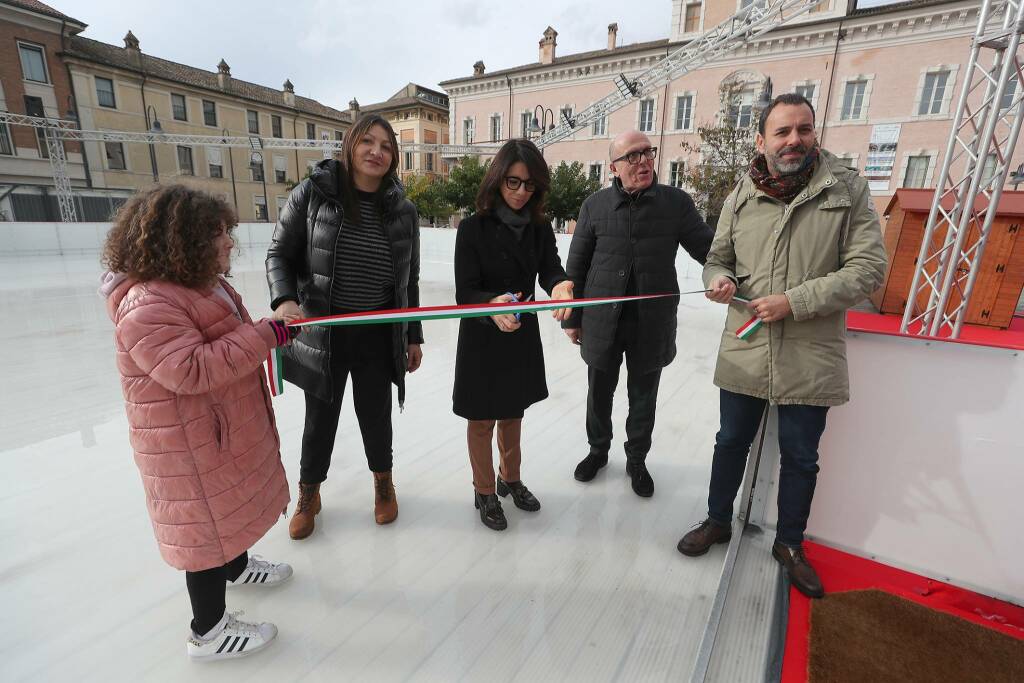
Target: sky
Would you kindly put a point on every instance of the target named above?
(334, 51)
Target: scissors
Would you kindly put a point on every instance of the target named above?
(515, 298)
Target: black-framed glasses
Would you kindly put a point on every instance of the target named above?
(634, 157)
(514, 183)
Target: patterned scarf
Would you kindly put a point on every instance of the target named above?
(784, 187)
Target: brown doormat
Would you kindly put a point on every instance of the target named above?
(870, 635)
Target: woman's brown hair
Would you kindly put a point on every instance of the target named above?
(512, 151)
(167, 233)
(348, 150)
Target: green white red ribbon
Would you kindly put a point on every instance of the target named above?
(275, 370)
(747, 329)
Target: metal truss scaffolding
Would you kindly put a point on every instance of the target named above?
(986, 125)
(757, 18)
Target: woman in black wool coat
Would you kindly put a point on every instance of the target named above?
(500, 253)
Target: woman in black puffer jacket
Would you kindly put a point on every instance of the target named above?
(348, 241)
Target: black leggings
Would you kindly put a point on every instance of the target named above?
(206, 592)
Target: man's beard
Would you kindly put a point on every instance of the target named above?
(789, 167)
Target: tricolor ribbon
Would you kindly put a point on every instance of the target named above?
(747, 329)
(399, 315)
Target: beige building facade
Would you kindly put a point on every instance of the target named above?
(124, 89)
(418, 115)
(883, 82)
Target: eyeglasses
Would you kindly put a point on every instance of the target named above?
(634, 157)
(513, 183)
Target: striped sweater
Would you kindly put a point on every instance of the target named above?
(364, 278)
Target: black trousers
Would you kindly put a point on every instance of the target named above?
(641, 390)
(364, 352)
(206, 592)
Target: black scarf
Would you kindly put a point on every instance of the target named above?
(515, 220)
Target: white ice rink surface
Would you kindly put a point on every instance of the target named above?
(591, 588)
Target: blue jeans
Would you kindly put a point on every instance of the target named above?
(800, 430)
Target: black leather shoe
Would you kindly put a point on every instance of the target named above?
(589, 466)
(521, 495)
(801, 573)
(643, 485)
(698, 541)
(491, 513)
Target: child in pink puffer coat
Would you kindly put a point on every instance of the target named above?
(200, 419)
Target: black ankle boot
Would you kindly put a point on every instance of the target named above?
(588, 467)
(521, 495)
(491, 513)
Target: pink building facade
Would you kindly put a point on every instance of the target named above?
(883, 77)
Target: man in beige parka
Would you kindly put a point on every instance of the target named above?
(800, 238)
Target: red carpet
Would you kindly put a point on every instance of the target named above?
(841, 571)
(876, 323)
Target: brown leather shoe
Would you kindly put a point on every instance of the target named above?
(801, 573)
(698, 541)
(302, 522)
(385, 505)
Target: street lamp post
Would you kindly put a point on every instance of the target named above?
(257, 158)
(231, 162)
(540, 118)
(154, 128)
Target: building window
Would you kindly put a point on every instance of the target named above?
(6, 148)
(209, 113)
(185, 160)
(280, 168)
(684, 112)
(468, 126)
(252, 120)
(600, 125)
(215, 159)
(595, 172)
(691, 19)
(311, 131)
(646, 122)
(259, 203)
(495, 128)
(33, 64)
(408, 161)
(676, 169)
(428, 162)
(741, 109)
(339, 136)
(806, 91)
(178, 110)
(256, 170)
(917, 171)
(275, 126)
(1008, 94)
(934, 93)
(564, 114)
(115, 156)
(34, 107)
(525, 119)
(853, 100)
(105, 92)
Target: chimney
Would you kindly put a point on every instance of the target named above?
(547, 46)
(479, 69)
(613, 33)
(131, 46)
(353, 106)
(223, 74)
(289, 93)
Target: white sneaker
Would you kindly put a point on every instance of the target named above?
(260, 572)
(231, 638)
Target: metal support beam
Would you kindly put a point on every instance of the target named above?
(981, 143)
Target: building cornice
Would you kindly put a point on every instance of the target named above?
(907, 24)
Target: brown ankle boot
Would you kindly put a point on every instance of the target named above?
(385, 505)
(308, 507)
